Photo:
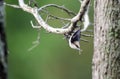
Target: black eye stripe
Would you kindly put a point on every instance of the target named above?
(77, 46)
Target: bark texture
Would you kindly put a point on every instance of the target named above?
(106, 58)
(3, 45)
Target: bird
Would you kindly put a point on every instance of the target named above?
(75, 39)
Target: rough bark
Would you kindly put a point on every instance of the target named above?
(3, 45)
(106, 58)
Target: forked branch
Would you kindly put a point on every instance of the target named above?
(35, 12)
(71, 30)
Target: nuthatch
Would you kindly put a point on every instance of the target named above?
(75, 39)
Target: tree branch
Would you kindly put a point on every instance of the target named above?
(71, 31)
(35, 12)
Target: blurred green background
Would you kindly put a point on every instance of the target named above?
(53, 58)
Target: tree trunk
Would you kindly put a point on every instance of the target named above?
(3, 46)
(106, 58)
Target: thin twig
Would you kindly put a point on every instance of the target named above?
(35, 43)
(86, 35)
(84, 40)
(60, 18)
(34, 25)
(56, 17)
(46, 20)
(11, 5)
(57, 6)
(89, 31)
